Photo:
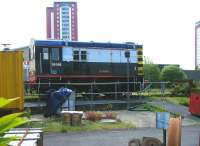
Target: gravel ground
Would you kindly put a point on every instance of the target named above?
(116, 138)
(145, 123)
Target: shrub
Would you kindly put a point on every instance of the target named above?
(93, 116)
(185, 103)
(180, 90)
(172, 73)
(111, 115)
(196, 90)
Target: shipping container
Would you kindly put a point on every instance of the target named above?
(11, 77)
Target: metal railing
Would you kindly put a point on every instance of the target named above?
(90, 86)
(108, 90)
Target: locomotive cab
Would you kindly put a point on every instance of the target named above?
(48, 60)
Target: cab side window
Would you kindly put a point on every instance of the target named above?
(45, 52)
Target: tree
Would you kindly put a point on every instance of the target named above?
(172, 73)
(151, 71)
(147, 60)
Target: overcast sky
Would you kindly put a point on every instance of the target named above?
(164, 27)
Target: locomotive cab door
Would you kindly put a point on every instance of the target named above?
(44, 61)
(50, 61)
(55, 61)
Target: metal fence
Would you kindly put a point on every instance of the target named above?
(91, 88)
(94, 90)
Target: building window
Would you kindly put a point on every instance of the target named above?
(65, 37)
(66, 8)
(65, 32)
(65, 17)
(83, 55)
(76, 55)
(65, 29)
(65, 25)
(55, 54)
(45, 52)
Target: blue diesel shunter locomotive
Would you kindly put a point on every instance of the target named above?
(59, 61)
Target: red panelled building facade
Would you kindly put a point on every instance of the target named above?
(62, 21)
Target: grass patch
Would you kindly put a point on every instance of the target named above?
(147, 107)
(155, 98)
(153, 92)
(176, 100)
(179, 100)
(153, 108)
(31, 97)
(56, 125)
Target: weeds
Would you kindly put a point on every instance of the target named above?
(56, 125)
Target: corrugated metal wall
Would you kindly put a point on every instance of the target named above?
(11, 77)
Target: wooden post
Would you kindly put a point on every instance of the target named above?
(174, 132)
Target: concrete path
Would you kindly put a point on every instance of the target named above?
(171, 107)
(180, 109)
(139, 119)
(148, 119)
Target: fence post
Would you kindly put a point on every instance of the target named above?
(91, 95)
(115, 91)
(128, 96)
(38, 89)
(162, 90)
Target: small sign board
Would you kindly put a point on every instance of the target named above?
(26, 65)
(56, 64)
(162, 120)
